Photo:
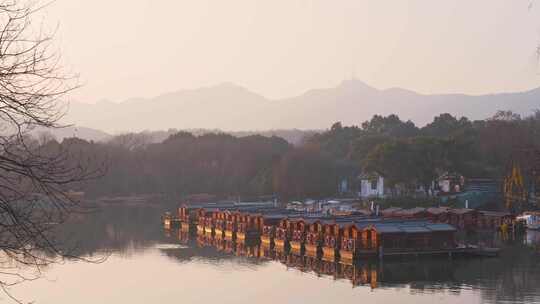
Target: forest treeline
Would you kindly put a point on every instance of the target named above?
(225, 165)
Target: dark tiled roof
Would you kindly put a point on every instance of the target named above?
(440, 227)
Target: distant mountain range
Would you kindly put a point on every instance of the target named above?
(233, 108)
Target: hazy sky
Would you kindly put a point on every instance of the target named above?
(143, 48)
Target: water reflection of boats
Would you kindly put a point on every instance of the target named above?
(296, 261)
(247, 250)
(368, 272)
(328, 268)
(432, 274)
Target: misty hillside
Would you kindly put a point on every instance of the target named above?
(59, 134)
(293, 136)
(230, 107)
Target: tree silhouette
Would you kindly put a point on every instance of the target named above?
(34, 178)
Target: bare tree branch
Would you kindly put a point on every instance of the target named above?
(34, 176)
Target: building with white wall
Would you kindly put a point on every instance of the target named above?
(371, 185)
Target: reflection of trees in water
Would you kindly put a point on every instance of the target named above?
(86, 237)
(121, 229)
(423, 275)
(515, 276)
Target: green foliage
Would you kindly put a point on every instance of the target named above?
(446, 125)
(409, 156)
(390, 125)
(306, 172)
(185, 164)
(221, 164)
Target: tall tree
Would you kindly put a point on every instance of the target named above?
(33, 180)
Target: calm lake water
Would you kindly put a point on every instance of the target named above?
(150, 265)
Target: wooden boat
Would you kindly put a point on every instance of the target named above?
(186, 227)
(242, 223)
(188, 218)
(219, 226)
(230, 226)
(249, 226)
(298, 236)
(268, 229)
(201, 214)
(331, 238)
(348, 248)
(208, 227)
(313, 239)
(267, 236)
(268, 233)
(166, 218)
(182, 236)
(282, 235)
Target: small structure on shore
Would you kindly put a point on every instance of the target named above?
(450, 183)
(371, 185)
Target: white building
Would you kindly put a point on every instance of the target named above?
(371, 185)
(451, 183)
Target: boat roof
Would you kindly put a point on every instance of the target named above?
(440, 227)
(388, 228)
(438, 210)
(415, 226)
(414, 229)
(495, 213)
(391, 209)
(411, 211)
(461, 211)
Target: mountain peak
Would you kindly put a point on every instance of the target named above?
(355, 84)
